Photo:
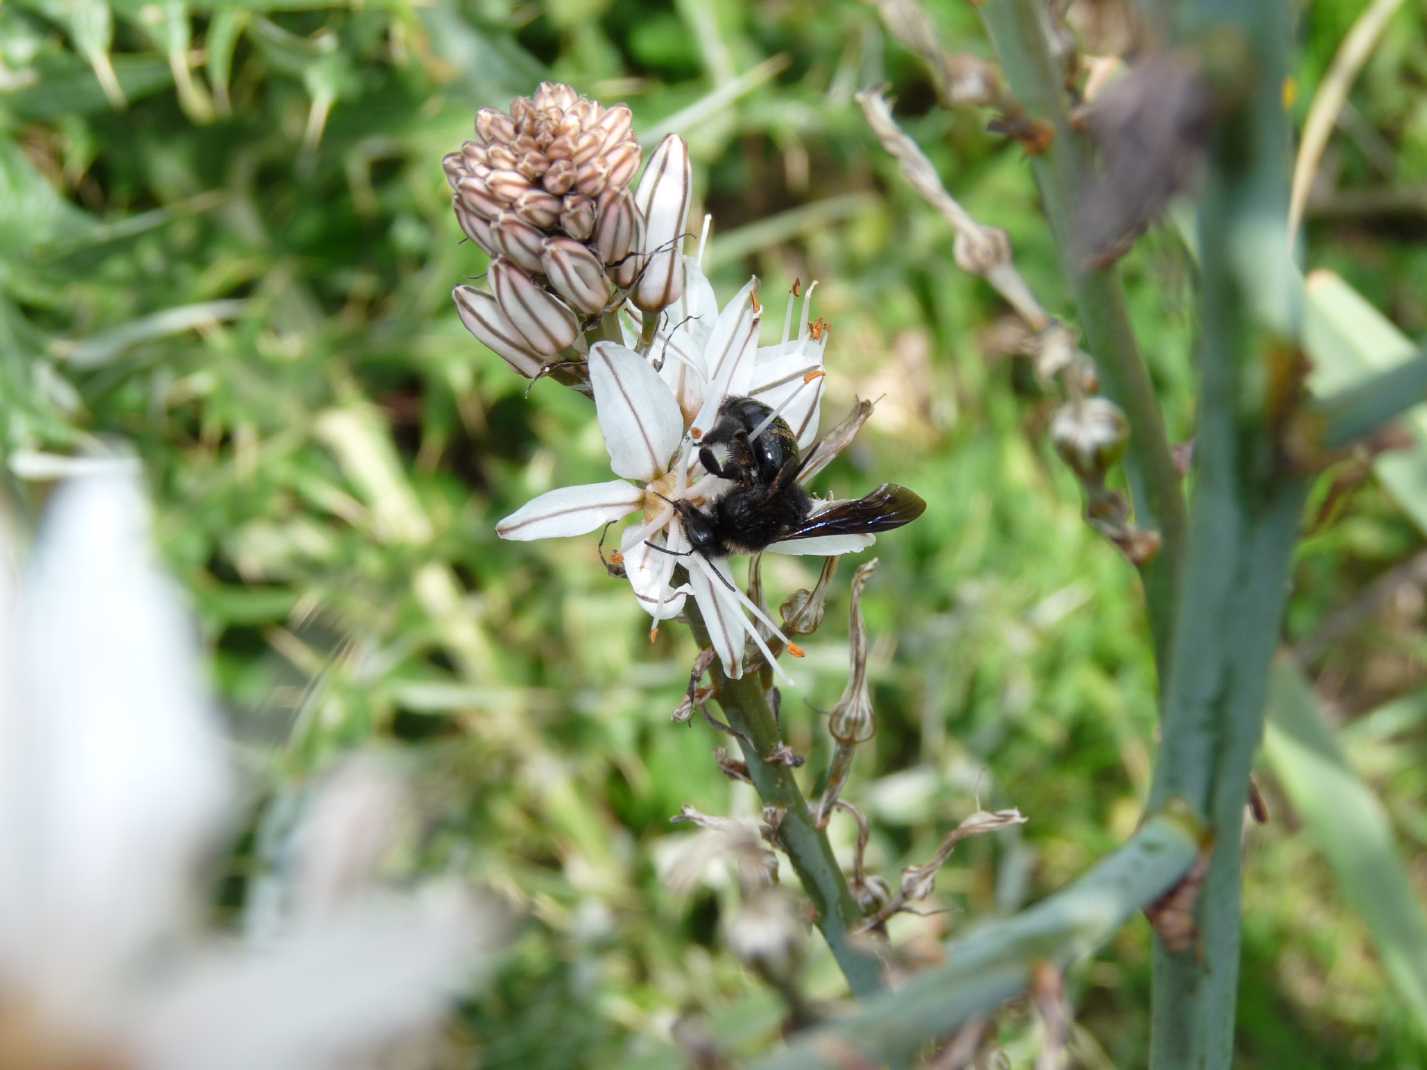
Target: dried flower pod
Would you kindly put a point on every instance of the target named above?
(483, 317)
(1090, 436)
(544, 321)
(576, 274)
(663, 201)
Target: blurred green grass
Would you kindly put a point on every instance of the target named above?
(244, 273)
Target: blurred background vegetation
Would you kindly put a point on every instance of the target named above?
(226, 240)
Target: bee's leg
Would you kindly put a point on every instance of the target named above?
(666, 550)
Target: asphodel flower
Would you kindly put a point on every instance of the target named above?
(544, 189)
(115, 789)
(652, 410)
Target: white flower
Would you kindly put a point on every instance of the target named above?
(113, 790)
(651, 421)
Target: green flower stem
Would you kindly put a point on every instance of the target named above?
(1361, 410)
(745, 705)
(995, 963)
(1018, 35)
(1247, 508)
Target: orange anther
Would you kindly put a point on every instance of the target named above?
(817, 329)
(757, 304)
(796, 650)
(696, 433)
(797, 289)
(654, 633)
(617, 557)
(814, 375)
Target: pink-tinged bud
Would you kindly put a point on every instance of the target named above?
(663, 200)
(576, 274)
(555, 95)
(617, 230)
(590, 178)
(502, 157)
(476, 196)
(494, 127)
(538, 208)
(532, 167)
(559, 177)
(507, 185)
(623, 162)
(586, 147)
(477, 229)
(614, 126)
(518, 241)
(454, 164)
(484, 319)
(578, 218)
(545, 322)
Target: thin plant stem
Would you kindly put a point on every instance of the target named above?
(997, 962)
(745, 707)
(1018, 34)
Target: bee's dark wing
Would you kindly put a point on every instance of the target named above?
(889, 506)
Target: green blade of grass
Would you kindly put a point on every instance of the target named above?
(1343, 817)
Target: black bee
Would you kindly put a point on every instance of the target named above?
(757, 451)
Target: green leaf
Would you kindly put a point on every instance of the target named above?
(1348, 340)
(63, 85)
(32, 214)
(1345, 820)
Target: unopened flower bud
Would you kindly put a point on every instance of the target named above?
(518, 242)
(483, 317)
(546, 323)
(477, 229)
(578, 218)
(663, 200)
(476, 195)
(617, 231)
(576, 274)
(1090, 436)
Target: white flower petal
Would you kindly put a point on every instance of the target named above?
(639, 417)
(778, 377)
(824, 545)
(732, 343)
(321, 999)
(113, 782)
(723, 617)
(650, 570)
(571, 511)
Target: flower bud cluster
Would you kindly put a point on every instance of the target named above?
(544, 189)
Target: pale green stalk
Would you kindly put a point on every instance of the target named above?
(995, 962)
(1062, 173)
(745, 704)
